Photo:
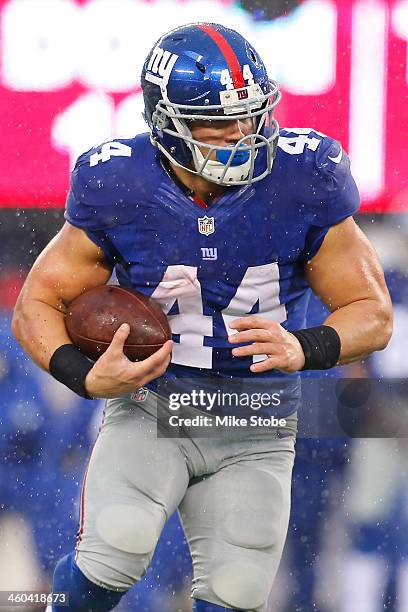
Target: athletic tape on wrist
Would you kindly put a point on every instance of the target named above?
(70, 367)
(321, 346)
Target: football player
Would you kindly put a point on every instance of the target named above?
(227, 222)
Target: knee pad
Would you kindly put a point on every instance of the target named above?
(128, 528)
(258, 533)
(263, 526)
(241, 585)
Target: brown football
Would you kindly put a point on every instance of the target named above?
(93, 318)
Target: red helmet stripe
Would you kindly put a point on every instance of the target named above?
(228, 53)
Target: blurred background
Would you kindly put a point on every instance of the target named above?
(69, 77)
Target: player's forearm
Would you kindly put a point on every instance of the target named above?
(40, 329)
(364, 326)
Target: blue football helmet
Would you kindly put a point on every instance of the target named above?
(208, 72)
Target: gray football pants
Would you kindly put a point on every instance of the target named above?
(233, 496)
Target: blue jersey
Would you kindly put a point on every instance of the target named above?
(244, 254)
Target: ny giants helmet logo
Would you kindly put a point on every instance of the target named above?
(160, 65)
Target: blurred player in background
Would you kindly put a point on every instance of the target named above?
(376, 567)
(227, 222)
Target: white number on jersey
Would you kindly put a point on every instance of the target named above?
(259, 285)
(296, 144)
(192, 325)
(109, 149)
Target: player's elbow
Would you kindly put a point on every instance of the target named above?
(20, 322)
(17, 322)
(384, 324)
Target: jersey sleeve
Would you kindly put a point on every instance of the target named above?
(333, 194)
(84, 212)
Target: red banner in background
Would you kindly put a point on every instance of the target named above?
(69, 78)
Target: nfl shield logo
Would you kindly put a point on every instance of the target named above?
(206, 225)
(140, 395)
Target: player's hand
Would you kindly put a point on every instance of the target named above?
(114, 374)
(282, 348)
